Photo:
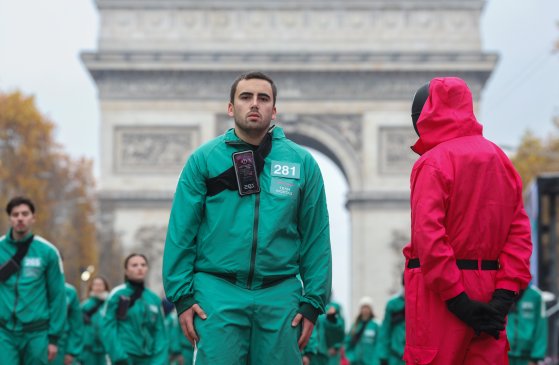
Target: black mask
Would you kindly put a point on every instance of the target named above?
(419, 100)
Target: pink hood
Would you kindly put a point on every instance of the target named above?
(448, 113)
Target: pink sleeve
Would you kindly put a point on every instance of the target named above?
(430, 192)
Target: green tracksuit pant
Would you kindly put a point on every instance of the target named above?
(25, 348)
(246, 326)
(319, 359)
(93, 358)
(188, 355)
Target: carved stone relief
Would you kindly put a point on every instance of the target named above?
(153, 149)
(400, 238)
(253, 24)
(150, 241)
(395, 155)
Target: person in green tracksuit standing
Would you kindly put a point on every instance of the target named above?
(32, 300)
(132, 329)
(328, 332)
(248, 215)
(70, 344)
(392, 335)
(93, 350)
(335, 332)
(527, 329)
(362, 340)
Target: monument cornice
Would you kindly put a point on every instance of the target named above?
(290, 4)
(295, 84)
(297, 61)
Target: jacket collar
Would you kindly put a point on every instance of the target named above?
(10, 239)
(231, 138)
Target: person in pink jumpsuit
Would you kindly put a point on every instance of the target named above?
(470, 237)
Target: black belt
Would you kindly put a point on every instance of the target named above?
(464, 264)
(267, 281)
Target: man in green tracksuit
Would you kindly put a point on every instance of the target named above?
(249, 214)
(32, 300)
(527, 329)
(392, 335)
(71, 342)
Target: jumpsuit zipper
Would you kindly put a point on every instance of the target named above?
(254, 240)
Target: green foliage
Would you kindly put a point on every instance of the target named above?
(536, 156)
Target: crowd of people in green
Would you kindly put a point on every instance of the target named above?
(130, 324)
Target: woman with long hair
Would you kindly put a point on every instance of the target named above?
(361, 341)
(133, 329)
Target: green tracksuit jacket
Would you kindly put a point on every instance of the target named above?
(365, 351)
(527, 328)
(139, 336)
(34, 297)
(71, 341)
(252, 240)
(93, 348)
(392, 336)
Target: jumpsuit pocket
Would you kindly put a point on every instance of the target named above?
(419, 355)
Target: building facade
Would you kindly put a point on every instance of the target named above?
(346, 72)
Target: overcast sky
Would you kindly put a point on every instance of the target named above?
(40, 42)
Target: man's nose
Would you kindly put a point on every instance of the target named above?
(254, 103)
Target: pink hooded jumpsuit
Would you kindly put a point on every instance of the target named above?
(466, 204)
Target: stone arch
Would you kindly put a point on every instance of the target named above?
(311, 132)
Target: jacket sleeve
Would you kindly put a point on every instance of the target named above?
(430, 192)
(539, 346)
(514, 260)
(180, 245)
(109, 333)
(56, 292)
(75, 320)
(314, 229)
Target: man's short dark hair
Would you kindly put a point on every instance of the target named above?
(17, 201)
(249, 76)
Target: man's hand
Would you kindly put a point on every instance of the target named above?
(306, 360)
(305, 332)
(186, 320)
(480, 316)
(52, 351)
(68, 359)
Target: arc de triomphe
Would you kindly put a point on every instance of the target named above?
(346, 72)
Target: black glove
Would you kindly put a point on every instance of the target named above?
(480, 316)
(502, 301)
(383, 362)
